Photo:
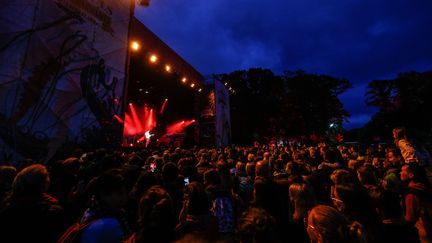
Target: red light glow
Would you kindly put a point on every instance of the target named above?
(118, 118)
(178, 127)
(138, 120)
(163, 106)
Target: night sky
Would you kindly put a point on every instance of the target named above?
(360, 40)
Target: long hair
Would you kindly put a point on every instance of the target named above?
(332, 226)
(156, 216)
(303, 199)
(256, 226)
(399, 133)
(358, 206)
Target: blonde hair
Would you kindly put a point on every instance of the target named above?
(334, 227)
(32, 180)
(303, 199)
(399, 133)
(251, 158)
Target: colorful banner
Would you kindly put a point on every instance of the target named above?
(223, 117)
(61, 73)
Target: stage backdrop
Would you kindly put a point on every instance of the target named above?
(223, 117)
(61, 73)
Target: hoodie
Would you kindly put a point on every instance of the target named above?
(413, 199)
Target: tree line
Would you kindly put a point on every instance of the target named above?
(307, 106)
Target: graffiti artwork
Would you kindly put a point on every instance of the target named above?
(61, 73)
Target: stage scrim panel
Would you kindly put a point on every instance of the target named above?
(61, 73)
(223, 116)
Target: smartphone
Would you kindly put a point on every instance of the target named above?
(153, 167)
(186, 181)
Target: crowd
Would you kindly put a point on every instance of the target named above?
(261, 193)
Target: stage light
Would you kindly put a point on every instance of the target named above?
(168, 68)
(192, 85)
(153, 58)
(200, 90)
(184, 79)
(163, 106)
(140, 90)
(130, 103)
(135, 46)
(193, 120)
(226, 83)
(118, 118)
(136, 120)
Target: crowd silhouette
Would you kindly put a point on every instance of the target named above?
(260, 193)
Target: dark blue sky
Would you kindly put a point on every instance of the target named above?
(359, 40)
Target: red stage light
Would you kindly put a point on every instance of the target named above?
(163, 106)
(178, 127)
(138, 121)
(118, 118)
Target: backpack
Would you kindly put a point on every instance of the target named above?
(73, 233)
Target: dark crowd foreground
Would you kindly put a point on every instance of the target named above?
(261, 193)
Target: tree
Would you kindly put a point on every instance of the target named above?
(312, 100)
(255, 103)
(294, 104)
(403, 101)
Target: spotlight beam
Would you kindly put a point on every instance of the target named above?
(136, 120)
(163, 106)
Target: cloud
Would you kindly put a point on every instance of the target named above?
(357, 40)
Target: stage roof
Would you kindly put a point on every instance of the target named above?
(153, 44)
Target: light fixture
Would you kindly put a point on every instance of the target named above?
(168, 68)
(135, 46)
(199, 90)
(192, 85)
(184, 79)
(153, 58)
